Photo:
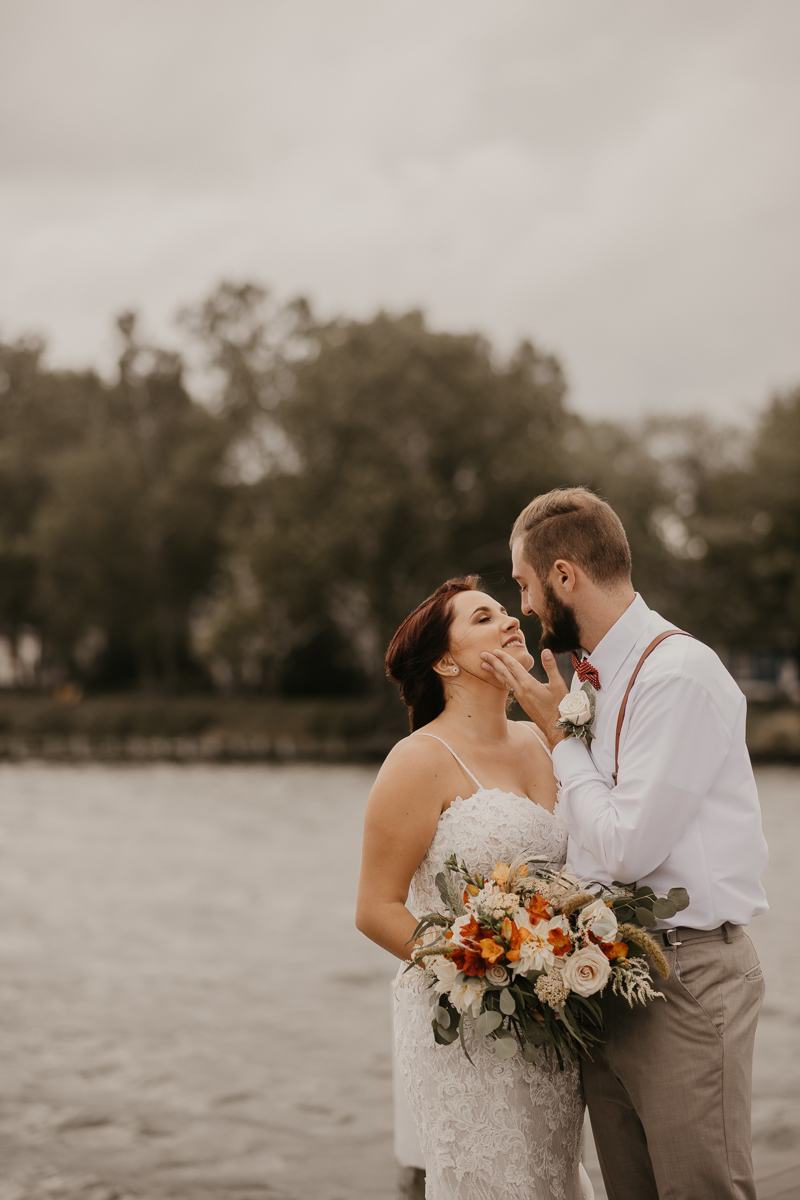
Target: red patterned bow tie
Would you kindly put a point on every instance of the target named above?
(585, 670)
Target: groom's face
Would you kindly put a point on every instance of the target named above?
(560, 630)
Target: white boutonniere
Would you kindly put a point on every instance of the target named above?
(577, 714)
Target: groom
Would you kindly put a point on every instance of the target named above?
(669, 1091)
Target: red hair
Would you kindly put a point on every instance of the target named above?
(422, 639)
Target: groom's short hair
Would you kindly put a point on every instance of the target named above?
(575, 524)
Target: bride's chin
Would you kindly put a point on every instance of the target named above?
(524, 658)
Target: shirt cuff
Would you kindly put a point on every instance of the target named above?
(571, 758)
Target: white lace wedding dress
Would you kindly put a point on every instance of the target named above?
(498, 1130)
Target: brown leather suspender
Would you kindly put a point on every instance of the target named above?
(655, 642)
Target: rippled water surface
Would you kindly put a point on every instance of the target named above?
(187, 1011)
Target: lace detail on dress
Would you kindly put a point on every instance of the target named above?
(498, 1130)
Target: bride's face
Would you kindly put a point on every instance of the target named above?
(480, 624)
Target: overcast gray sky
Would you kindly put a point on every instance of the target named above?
(619, 181)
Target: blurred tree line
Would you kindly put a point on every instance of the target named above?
(261, 510)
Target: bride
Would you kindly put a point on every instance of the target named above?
(467, 781)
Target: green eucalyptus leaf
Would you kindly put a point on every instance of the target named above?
(644, 891)
(505, 1047)
(444, 1037)
(644, 916)
(664, 909)
(529, 1052)
(486, 1023)
(624, 913)
(442, 1016)
(679, 897)
(507, 1002)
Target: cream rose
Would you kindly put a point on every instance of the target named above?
(586, 971)
(576, 708)
(446, 972)
(496, 976)
(600, 919)
(468, 995)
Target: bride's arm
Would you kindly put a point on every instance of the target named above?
(403, 811)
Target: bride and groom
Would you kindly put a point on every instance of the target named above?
(665, 796)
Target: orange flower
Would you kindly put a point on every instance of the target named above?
(470, 930)
(518, 936)
(617, 950)
(490, 950)
(538, 909)
(505, 929)
(470, 890)
(559, 941)
(468, 961)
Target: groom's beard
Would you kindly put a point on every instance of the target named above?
(560, 630)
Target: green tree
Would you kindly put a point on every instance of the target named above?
(128, 535)
(42, 413)
(774, 521)
(406, 455)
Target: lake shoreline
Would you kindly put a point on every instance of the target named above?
(141, 727)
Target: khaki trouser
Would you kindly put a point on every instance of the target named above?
(669, 1091)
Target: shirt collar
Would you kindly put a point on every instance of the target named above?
(610, 653)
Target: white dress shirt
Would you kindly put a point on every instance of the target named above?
(685, 810)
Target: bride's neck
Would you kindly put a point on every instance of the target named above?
(479, 712)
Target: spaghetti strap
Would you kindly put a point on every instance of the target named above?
(539, 739)
(455, 756)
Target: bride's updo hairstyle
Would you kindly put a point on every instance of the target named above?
(422, 639)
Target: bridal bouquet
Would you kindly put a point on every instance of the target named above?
(525, 955)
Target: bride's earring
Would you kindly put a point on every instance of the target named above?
(455, 670)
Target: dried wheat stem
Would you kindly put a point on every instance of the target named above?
(632, 933)
(573, 903)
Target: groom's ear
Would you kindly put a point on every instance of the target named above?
(563, 576)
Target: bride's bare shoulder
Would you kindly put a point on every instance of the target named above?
(420, 766)
(416, 754)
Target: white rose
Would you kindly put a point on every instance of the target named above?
(586, 971)
(468, 995)
(445, 971)
(600, 919)
(496, 976)
(576, 708)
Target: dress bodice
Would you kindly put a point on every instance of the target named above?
(483, 829)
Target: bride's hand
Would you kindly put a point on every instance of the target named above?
(539, 700)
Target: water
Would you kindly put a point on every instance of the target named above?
(187, 1011)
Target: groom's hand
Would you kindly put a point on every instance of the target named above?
(539, 700)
